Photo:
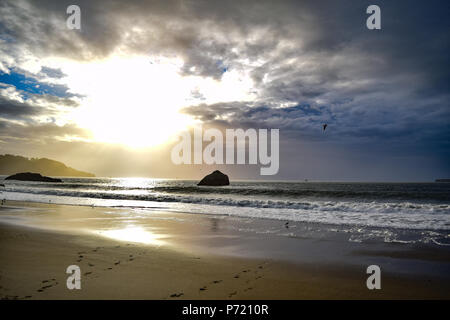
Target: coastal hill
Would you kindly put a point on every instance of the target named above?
(10, 164)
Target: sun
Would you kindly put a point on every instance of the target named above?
(135, 100)
(132, 101)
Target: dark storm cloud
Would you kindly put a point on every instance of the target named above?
(374, 121)
(38, 132)
(52, 73)
(54, 100)
(205, 32)
(19, 105)
(16, 110)
(237, 114)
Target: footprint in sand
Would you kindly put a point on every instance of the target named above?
(87, 273)
(203, 288)
(90, 265)
(250, 288)
(217, 281)
(232, 294)
(176, 295)
(52, 282)
(236, 276)
(116, 263)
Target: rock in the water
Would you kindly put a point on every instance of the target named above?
(29, 176)
(216, 178)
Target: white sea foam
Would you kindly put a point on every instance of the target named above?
(407, 206)
(374, 214)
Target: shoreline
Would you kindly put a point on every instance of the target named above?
(178, 267)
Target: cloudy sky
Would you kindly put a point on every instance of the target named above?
(111, 97)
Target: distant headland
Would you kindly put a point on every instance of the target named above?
(11, 164)
(30, 176)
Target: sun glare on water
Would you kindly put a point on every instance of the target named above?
(134, 234)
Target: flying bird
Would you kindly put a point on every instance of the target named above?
(324, 126)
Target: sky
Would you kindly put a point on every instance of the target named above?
(112, 97)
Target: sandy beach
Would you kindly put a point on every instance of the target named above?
(167, 259)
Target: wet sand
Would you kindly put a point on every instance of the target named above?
(182, 256)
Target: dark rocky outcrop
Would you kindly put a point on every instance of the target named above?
(216, 178)
(10, 164)
(30, 176)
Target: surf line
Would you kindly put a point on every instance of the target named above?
(256, 141)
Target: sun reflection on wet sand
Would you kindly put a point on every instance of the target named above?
(134, 234)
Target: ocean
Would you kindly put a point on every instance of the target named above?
(394, 212)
